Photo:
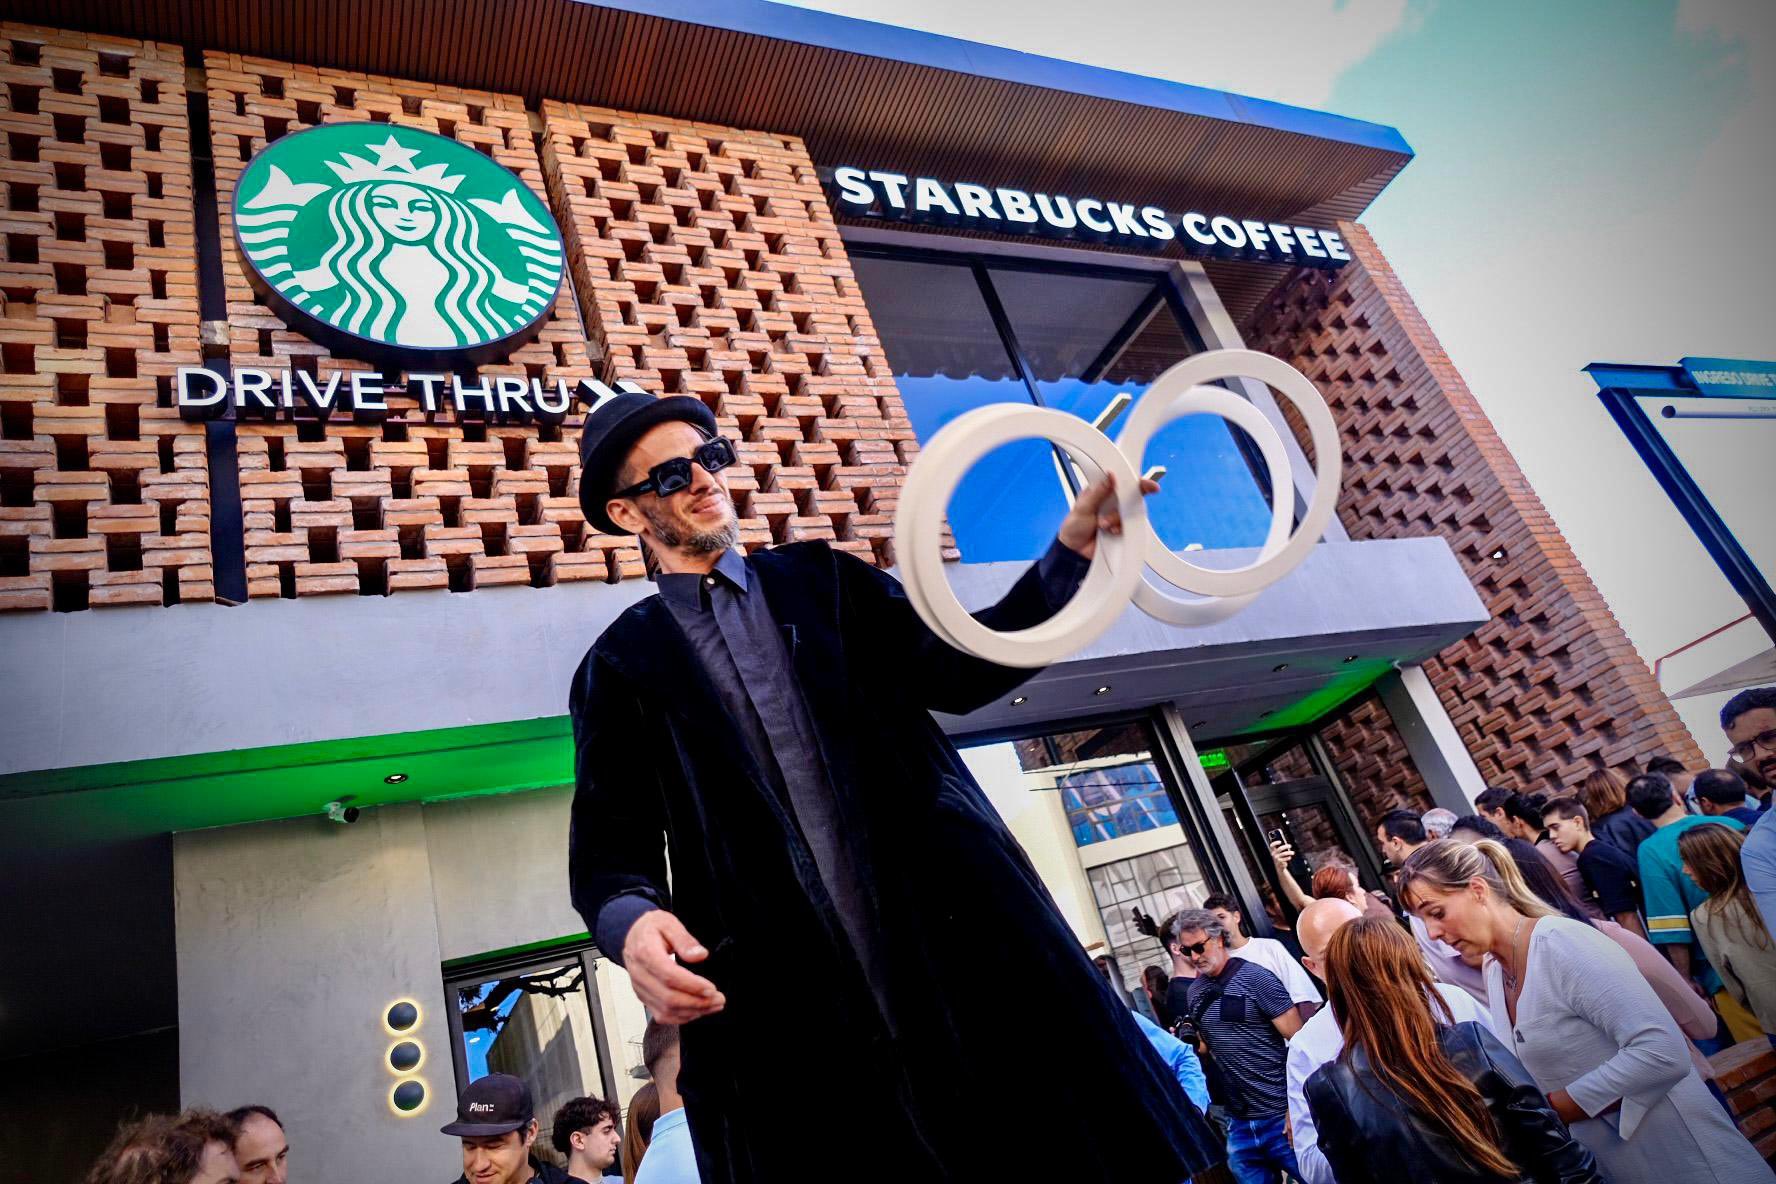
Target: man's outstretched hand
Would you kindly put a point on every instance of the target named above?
(672, 994)
(1095, 508)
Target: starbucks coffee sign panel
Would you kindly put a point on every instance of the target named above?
(397, 246)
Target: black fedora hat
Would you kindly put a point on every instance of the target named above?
(611, 430)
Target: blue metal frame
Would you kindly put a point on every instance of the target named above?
(1621, 388)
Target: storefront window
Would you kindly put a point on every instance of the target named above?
(1083, 338)
(1088, 338)
(1065, 795)
(540, 1023)
(1132, 892)
(948, 359)
(1111, 802)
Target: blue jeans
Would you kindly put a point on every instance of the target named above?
(1258, 1148)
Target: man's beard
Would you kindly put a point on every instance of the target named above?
(693, 542)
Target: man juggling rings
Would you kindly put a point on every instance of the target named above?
(762, 725)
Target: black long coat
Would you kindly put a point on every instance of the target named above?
(993, 1050)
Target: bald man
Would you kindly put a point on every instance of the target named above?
(1319, 1041)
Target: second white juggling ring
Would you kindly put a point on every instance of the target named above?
(1119, 570)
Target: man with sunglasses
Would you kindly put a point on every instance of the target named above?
(1749, 720)
(1244, 1014)
(837, 877)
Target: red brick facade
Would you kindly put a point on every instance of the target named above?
(1550, 687)
(104, 490)
(703, 260)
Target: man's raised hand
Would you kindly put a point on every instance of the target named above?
(652, 952)
(1095, 509)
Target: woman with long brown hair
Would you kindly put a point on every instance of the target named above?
(1734, 933)
(638, 1129)
(1605, 795)
(1582, 1020)
(1416, 1096)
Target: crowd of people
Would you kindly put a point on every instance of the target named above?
(496, 1125)
(1535, 999)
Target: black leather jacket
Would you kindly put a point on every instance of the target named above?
(1367, 1135)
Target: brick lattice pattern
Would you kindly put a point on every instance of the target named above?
(104, 490)
(422, 500)
(1550, 687)
(1746, 1073)
(709, 265)
(1374, 764)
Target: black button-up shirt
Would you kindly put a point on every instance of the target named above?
(749, 660)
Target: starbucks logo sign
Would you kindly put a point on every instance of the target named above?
(396, 245)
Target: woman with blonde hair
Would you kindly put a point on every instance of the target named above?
(638, 1129)
(1605, 794)
(1415, 1096)
(1582, 1020)
(1733, 932)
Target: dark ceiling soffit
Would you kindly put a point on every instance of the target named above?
(826, 30)
(853, 90)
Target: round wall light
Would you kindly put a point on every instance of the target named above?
(405, 1056)
(403, 1016)
(407, 1097)
(394, 778)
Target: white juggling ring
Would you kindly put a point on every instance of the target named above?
(1118, 573)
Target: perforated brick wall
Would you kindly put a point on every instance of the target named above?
(1374, 764)
(709, 265)
(422, 500)
(1550, 687)
(104, 493)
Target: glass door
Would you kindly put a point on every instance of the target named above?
(1286, 786)
(538, 1019)
(1099, 819)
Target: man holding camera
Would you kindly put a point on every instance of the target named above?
(1245, 1016)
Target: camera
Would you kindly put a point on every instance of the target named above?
(341, 813)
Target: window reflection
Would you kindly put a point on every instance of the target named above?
(1089, 338)
(948, 358)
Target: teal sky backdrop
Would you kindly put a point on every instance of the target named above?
(1593, 182)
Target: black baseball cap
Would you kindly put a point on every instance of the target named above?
(491, 1105)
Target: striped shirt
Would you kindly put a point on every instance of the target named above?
(1233, 1011)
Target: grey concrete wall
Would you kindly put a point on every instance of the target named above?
(499, 871)
(293, 939)
(122, 684)
(133, 684)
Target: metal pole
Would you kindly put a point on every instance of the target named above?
(1694, 505)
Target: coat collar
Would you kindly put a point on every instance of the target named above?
(649, 647)
(686, 588)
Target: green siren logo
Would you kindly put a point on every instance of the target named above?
(397, 245)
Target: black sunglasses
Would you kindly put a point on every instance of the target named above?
(1196, 947)
(670, 476)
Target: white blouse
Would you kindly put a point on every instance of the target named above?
(1589, 1024)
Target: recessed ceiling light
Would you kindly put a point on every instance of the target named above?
(1350, 657)
(1279, 668)
(1201, 723)
(1103, 690)
(1020, 700)
(395, 778)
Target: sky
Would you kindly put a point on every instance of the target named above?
(1593, 182)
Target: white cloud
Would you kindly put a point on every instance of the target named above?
(1300, 47)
